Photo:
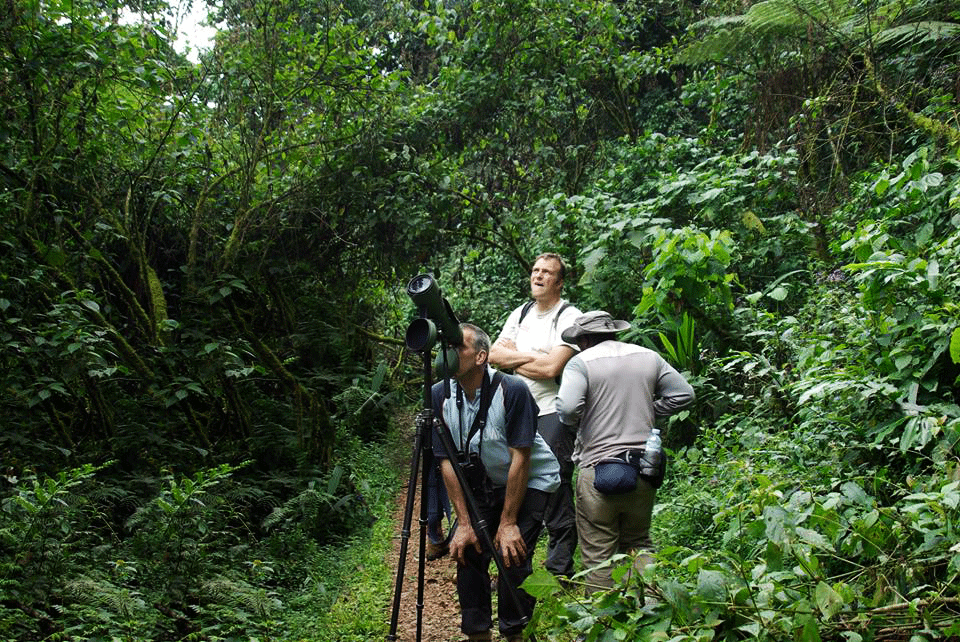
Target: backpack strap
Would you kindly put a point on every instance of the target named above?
(529, 304)
(487, 390)
(559, 312)
(523, 312)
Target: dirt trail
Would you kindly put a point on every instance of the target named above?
(441, 612)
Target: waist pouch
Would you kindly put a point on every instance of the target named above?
(614, 476)
(618, 475)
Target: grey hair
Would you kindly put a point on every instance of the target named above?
(481, 340)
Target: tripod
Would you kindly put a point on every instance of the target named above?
(423, 458)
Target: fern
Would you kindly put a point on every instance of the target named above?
(716, 39)
(101, 593)
(790, 16)
(326, 508)
(890, 25)
(238, 593)
(306, 506)
(918, 33)
(715, 46)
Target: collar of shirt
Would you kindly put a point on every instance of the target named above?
(467, 413)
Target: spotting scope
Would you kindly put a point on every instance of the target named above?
(437, 320)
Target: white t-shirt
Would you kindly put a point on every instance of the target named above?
(538, 333)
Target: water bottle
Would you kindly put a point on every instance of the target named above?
(652, 455)
(654, 445)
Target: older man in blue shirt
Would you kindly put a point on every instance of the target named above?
(518, 473)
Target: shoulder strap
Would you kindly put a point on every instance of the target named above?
(559, 312)
(529, 304)
(523, 312)
(555, 320)
(486, 398)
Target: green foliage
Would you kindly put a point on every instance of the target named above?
(843, 376)
(621, 615)
(773, 22)
(319, 513)
(762, 557)
(45, 522)
(654, 223)
(196, 557)
(689, 270)
(203, 265)
(160, 285)
(365, 406)
(683, 353)
(357, 615)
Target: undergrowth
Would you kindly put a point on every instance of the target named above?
(220, 554)
(751, 548)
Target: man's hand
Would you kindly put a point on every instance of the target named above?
(463, 538)
(510, 543)
(508, 344)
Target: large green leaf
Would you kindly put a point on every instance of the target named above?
(955, 345)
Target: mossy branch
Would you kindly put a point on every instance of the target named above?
(379, 337)
(934, 128)
(315, 432)
(137, 313)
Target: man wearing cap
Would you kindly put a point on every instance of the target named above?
(614, 392)
(530, 345)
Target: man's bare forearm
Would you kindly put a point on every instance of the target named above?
(516, 490)
(546, 366)
(454, 492)
(502, 355)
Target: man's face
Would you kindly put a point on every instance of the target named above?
(545, 279)
(468, 357)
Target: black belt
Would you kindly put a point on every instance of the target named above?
(632, 457)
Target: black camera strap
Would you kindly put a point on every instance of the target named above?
(487, 389)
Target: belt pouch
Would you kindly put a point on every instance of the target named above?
(614, 476)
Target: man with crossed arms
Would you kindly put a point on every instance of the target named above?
(530, 344)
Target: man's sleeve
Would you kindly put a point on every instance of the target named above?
(436, 394)
(521, 414)
(573, 392)
(512, 327)
(673, 391)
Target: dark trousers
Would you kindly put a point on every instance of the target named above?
(473, 579)
(561, 518)
(438, 504)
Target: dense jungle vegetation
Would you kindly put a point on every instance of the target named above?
(202, 302)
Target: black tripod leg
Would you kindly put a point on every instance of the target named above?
(422, 446)
(479, 523)
(427, 459)
(405, 534)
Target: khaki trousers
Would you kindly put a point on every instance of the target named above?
(611, 524)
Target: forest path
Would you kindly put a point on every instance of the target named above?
(441, 612)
